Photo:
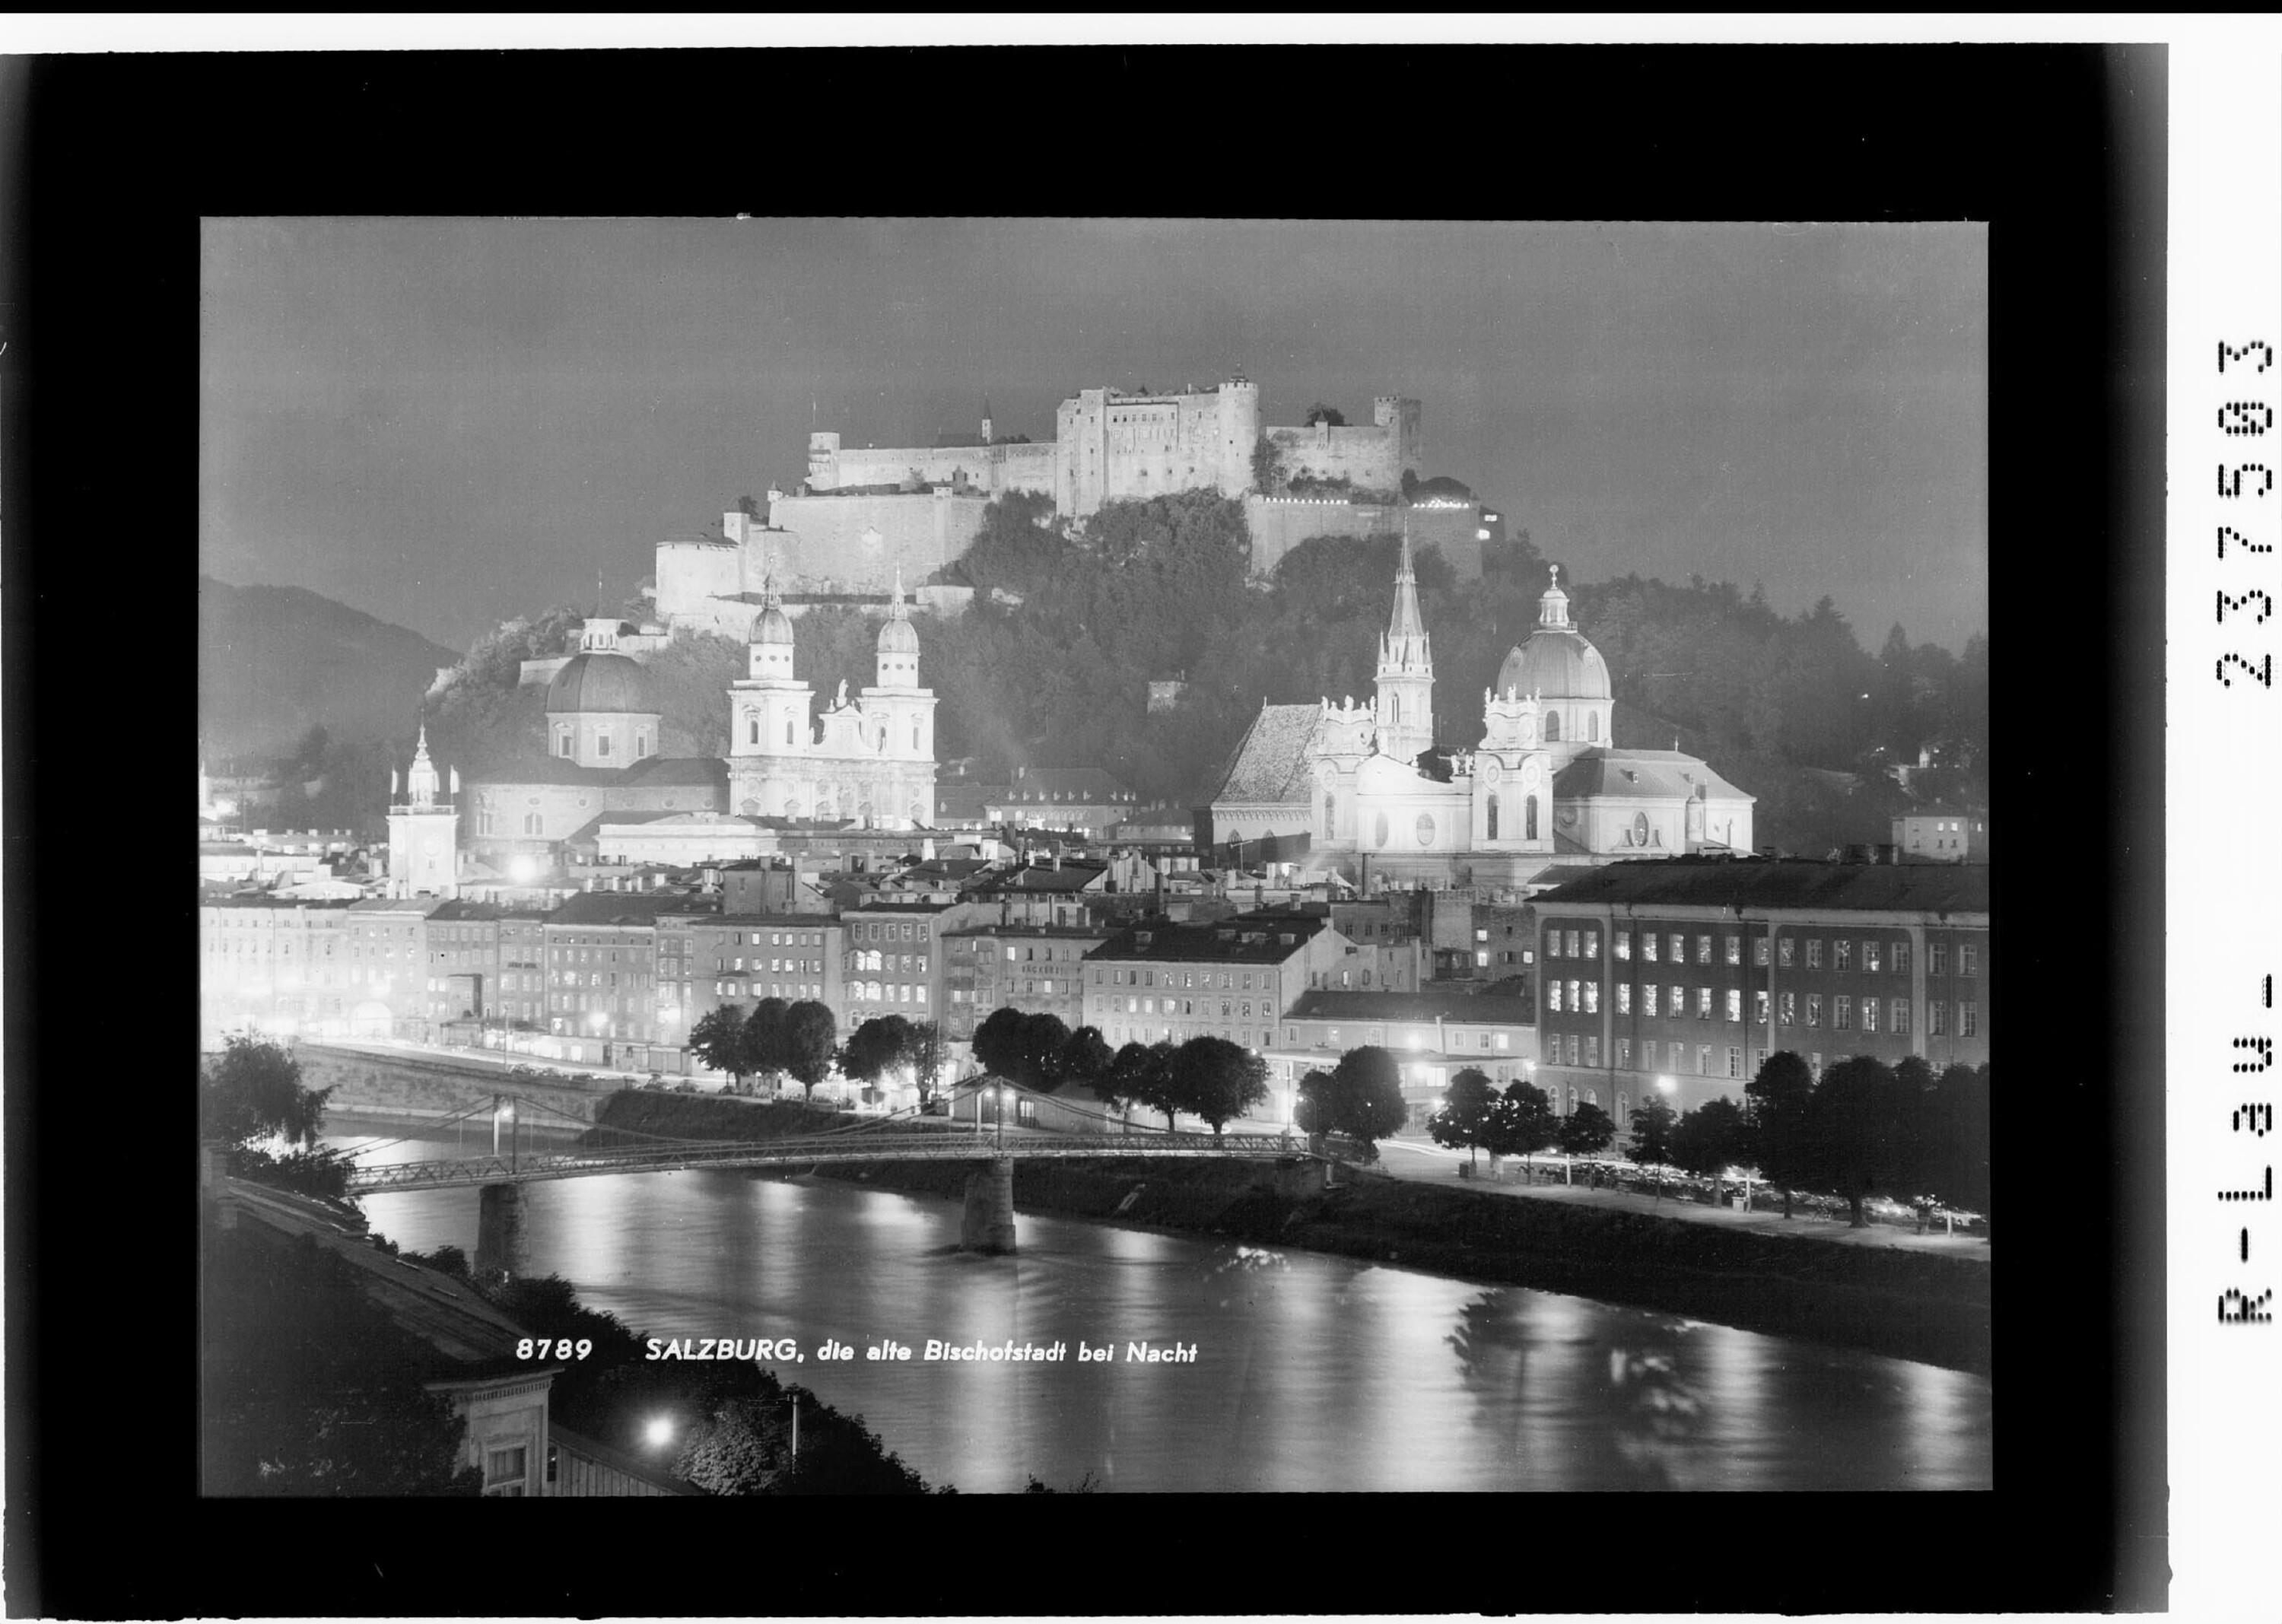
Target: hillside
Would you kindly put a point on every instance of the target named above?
(276, 661)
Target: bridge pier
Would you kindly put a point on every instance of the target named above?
(503, 1238)
(988, 1224)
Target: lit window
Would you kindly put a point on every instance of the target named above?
(1787, 1009)
(1703, 950)
(1592, 998)
(1624, 998)
(1702, 1003)
(1553, 996)
(1647, 999)
(1734, 949)
(1760, 1007)
(1815, 1009)
(1815, 952)
(1760, 951)
(1623, 944)
(1873, 957)
(1842, 955)
(1734, 1004)
(1553, 945)
(1648, 945)
(1869, 1014)
(1784, 953)
(1592, 944)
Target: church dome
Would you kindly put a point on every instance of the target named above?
(771, 626)
(898, 637)
(592, 682)
(1556, 662)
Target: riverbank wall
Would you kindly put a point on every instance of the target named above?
(1904, 1304)
(398, 1086)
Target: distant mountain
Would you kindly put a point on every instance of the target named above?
(276, 661)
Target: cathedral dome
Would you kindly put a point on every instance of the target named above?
(1556, 662)
(605, 682)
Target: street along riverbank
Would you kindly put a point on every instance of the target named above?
(1904, 1304)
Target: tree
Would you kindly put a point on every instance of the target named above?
(1465, 1113)
(1652, 1122)
(1217, 1080)
(719, 1039)
(926, 1056)
(1521, 1123)
(1360, 1097)
(879, 1045)
(1087, 1056)
(806, 1047)
(1775, 1106)
(763, 1049)
(1141, 1075)
(1709, 1138)
(1860, 1134)
(1586, 1131)
(1331, 415)
(1957, 1138)
(253, 1091)
(1025, 1049)
(1267, 466)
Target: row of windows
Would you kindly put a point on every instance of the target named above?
(1582, 999)
(879, 930)
(883, 992)
(1328, 1038)
(904, 964)
(1876, 954)
(1183, 978)
(563, 737)
(771, 990)
(1188, 1007)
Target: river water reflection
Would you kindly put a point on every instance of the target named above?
(1311, 1371)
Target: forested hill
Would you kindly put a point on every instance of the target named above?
(1794, 709)
(276, 661)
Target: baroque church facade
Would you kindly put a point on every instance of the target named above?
(1369, 788)
(870, 757)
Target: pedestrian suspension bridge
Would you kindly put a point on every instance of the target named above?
(499, 1175)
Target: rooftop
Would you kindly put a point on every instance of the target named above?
(1229, 940)
(1748, 883)
(1460, 1004)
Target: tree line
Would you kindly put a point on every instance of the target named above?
(1866, 1129)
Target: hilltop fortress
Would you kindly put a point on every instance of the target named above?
(863, 513)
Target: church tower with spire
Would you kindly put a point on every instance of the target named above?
(424, 837)
(1406, 672)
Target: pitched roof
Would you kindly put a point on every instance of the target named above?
(1270, 763)
(1461, 1004)
(1087, 786)
(618, 908)
(1640, 775)
(656, 771)
(1750, 883)
(1229, 940)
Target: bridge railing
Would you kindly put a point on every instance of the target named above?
(933, 1146)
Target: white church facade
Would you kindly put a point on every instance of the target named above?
(1545, 784)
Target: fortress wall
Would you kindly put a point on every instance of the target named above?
(821, 546)
(991, 469)
(1280, 523)
(1372, 456)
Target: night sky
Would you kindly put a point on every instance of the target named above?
(447, 422)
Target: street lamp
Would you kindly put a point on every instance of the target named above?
(659, 1432)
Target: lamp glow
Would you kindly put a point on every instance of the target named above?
(659, 1431)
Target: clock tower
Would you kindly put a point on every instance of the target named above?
(423, 838)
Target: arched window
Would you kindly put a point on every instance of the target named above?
(641, 745)
(1529, 818)
(754, 722)
(1394, 709)
(915, 736)
(1592, 726)
(1493, 816)
(1378, 829)
(1623, 1107)
(1330, 808)
(603, 745)
(787, 733)
(1552, 726)
(562, 742)
(1573, 1102)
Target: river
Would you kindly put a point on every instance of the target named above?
(1310, 1372)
